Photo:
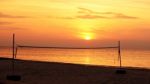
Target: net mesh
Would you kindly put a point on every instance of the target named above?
(90, 56)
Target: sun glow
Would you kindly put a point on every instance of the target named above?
(88, 37)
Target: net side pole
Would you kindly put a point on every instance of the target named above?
(13, 53)
(120, 70)
(13, 76)
(119, 54)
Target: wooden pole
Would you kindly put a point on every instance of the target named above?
(13, 77)
(13, 52)
(120, 70)
(119, 54)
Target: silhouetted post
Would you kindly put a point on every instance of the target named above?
(120, 70)
(119, 54)
(14, 51)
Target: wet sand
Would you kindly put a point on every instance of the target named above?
(35, 72)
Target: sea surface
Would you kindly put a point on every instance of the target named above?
(106, 57)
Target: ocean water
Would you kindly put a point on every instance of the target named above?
(106, 57)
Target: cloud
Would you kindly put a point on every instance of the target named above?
(89, 11)
(84, 10)
(10, 28)
(67, 17)
(2, 23)
(84, 13)
(119, 15)
(2, 15)
(90, 14)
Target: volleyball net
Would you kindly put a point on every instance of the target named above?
(92, 55)
(82, 55)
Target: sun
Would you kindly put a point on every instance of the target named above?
(87, 37)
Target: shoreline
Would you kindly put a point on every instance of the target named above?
(35, 72)
(126, 67)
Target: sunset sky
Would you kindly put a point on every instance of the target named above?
(76, 22)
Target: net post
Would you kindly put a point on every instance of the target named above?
(13, 51)
(120, 70)
(13, 76)
(119, 54)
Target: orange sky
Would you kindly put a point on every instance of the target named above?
(76, 22)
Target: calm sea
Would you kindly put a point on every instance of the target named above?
(108, 57)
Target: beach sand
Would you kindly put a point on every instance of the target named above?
(34, 72)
